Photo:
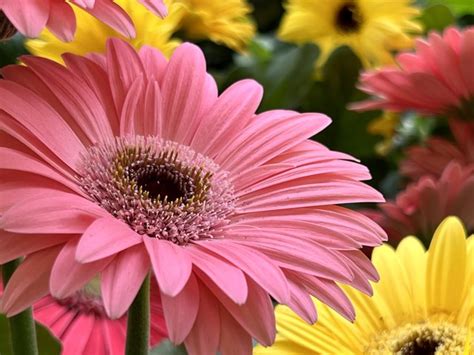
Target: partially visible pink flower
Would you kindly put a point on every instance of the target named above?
(432, 158)
(30, 17)
(120, 164)
(419, 209)
(83, 327)
(437, 79)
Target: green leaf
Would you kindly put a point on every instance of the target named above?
(437, 17)
(459, 7)
(47, 343)
(289, 77)
(166, 347)
(10, 50)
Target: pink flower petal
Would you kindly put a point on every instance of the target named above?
(228, 278)
(182, 92)
(67, 275)
(172, 266)
(105, 237)
(156, 6)
(268, 275)
(122, 278)
(23, 289)
(25, 106)
(181, 311)
(204, 336)
(30, 22)
(62, 20)
(234, 339)
(54, 213)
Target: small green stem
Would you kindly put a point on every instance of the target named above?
(138, 325)
(22, 325)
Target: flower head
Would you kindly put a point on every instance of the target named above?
(432, 158)
(436, 79)
(422, 304)
(223, 22)
(91, 34)
(371, 28)
(82, 325)
(125, 163)
(425, 203)
(31, 17)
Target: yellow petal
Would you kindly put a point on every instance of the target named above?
(446, 267)
(413, 257)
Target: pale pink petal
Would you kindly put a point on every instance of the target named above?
(105, 237)
(55, 213)
(25, 106)
(156, 6)
(123, 67)
(67, 275)
(13, 245)
(234, 339)
(114, 16)
(154, 62)
(29, 22)
(204, 336)
(122, 278)
(75, 95)
(96, 78)
(228, 278)
(131, 108)
(23, 289)
(15, 160)
(268, 275)
(258, 306)
(301, 303)
(62, 20)
(182, 92)
(181, 311)
(232, 111)
(172, 266)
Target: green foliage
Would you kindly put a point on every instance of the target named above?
(459, 7)
(47, 343)
(11, 50)
(166, 347)
(437, 17)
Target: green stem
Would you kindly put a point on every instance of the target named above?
(22, 326)
(138, 325)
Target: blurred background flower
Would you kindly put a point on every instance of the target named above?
(373, 29)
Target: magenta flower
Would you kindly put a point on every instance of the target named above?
(437, 79)
(83, 327)
(31, 17)
(432, 158)
(419, 209)
(118, 164)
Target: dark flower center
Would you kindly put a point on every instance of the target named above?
(348, 18)
(420, 347)
(164, 183)
(159, 188)
(7, 29)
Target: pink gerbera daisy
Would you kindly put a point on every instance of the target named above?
(31, 17)
(437, 79)
(437, 153)
(83, 327)
(118, 164)
(423, 205)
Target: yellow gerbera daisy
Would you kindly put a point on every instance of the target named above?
(91, 34)
(423, 304)
(385, 126)
(372, 28)
(224, 22)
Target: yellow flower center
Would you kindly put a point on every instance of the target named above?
(348, 17)
(420, 339)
